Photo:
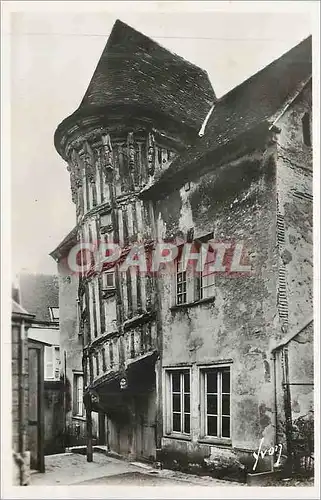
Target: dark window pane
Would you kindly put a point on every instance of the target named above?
(212, 426)
(225, 404)
(226, 427)
(179, 299)
(176, 382)
(176, 402)
(212, 405)
(187, 423)
(176, 422)
(186, 382)
(226, 381)
(187, 403)
(179, 288)
(179, 278)
(212, 381)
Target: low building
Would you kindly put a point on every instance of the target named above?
(40, 294)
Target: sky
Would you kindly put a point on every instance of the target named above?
(53, 56)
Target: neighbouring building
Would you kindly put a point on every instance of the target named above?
(177, 366)
(20, 322)
(39, 294)
(71, 346)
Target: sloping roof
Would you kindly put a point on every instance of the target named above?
(38, 292)
(65, 245)
(134, 70)
(250, 103)
(18, 309)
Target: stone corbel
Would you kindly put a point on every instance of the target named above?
(76, 165)
(131, 151)
(151, 154)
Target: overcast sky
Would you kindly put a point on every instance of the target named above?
(53, 56)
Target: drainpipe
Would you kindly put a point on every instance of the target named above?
(275, 419)
(287, 406)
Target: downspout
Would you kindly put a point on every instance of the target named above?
(287, 406)
(275, 416)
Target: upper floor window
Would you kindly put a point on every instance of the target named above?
(195, 272)
(306, 129)
(106, 222)
(108, 280)
(52, 363)
(54, 313)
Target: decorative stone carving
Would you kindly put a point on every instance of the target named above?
(151, 154)
(108, 156)
(89, 159)
(131, 151)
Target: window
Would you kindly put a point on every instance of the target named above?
(106, 223)
(215, 402)
(180, 413)
(195, 279)
(181, 283)
(108, 280)
(306, 129)
(52, 363)
(54, 313)
(78, 394)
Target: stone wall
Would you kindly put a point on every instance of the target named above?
(295, 214)
(19, 426)
(71, 344)
(237, 203)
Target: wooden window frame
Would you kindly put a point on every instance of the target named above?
(203, 404)
(169, 412)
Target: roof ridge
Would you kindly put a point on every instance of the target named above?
(262, 70)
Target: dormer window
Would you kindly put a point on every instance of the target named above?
(54, 314)
(306, 129)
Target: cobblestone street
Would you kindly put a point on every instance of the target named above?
(73, 469)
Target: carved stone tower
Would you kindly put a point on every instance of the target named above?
(144, 105)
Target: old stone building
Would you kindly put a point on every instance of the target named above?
(182, 364)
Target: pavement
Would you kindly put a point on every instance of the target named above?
(73, 469)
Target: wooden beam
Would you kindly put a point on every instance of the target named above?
(89, 427)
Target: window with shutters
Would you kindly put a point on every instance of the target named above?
(78, 406)
(52, 363)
